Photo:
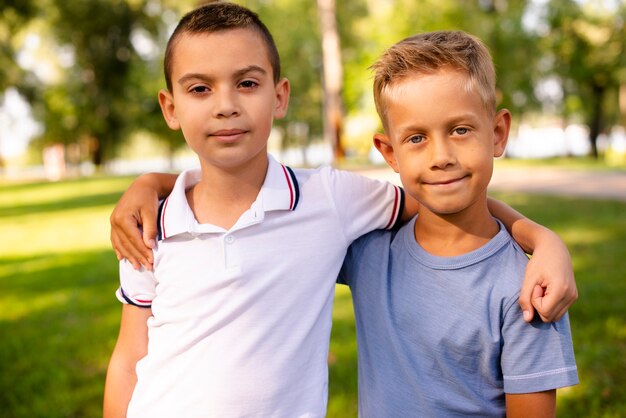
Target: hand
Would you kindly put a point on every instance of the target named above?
(136, 210)
(549, 285)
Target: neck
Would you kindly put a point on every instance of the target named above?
(449, 235)
(223, 195)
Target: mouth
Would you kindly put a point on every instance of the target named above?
(227, 135)
(447, 182)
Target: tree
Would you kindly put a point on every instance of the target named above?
(588, 47)
(14, 14)
(99, 33)
(299, 46)
(332, 77)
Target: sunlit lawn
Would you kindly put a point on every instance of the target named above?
(59, 317)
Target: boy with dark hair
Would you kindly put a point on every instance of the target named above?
(440, 332)
(220, 328)
(234, 318)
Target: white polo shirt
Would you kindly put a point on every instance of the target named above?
(241, 317)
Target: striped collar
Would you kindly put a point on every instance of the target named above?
(280, 191)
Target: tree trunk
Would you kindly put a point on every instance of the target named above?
(595, 124)
(97, 154)
(332, 77)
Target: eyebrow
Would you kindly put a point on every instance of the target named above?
(239, 73)
(250, 69)
(467, 117)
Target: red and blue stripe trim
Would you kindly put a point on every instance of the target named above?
(294, 190)
(137, 302)
(161, 235)
(398, 207)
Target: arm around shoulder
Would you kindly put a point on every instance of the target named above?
(138, 208)
(131, 346)
(536, 405)
(549, 285)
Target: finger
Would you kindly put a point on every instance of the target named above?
(121, 249)
(130, 255)
(115, 243)
(131, 245)
(525, 299)
(118, 255)
(536, 298)
(551, 307)
(554, 318)
(538, 294)
(149, 222)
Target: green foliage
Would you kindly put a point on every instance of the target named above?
(587, 47)
(295, 28)
(13, 15)
(98, 84)
(110, 90)
(59, 316)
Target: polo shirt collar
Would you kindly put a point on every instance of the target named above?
(280, 191)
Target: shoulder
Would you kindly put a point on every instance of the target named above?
(335, 176)
(375, 244)
(367, 256)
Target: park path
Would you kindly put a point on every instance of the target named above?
(543, 180)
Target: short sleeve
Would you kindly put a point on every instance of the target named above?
(347, 269)
(537, 356)
(364, 204)
(137, 287)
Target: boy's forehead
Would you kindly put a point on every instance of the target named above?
(412, 85)
(402, 81)
(240, 44)
(422, 95)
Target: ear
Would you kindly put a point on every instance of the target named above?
(166, 101)
(501, 127)
(383, 145)
(282, 98)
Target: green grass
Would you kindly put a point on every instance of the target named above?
(569, 163)
(59, 317)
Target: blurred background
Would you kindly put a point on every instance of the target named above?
(79, 119)
(78, 78)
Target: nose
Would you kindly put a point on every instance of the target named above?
(442, 153)
(225, 103)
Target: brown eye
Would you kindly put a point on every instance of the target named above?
(248, 84)
(199, 89)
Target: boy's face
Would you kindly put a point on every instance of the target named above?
(223, 96)
(442, 140)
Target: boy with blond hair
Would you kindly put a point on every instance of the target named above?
(233, 318)
(440, 332)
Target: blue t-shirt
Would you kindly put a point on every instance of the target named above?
(445, 336)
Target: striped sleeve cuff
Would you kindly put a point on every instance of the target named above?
(398, 208)
(124, 298)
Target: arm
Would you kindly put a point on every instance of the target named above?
(549, 285)
(536, 405)
(411, 207)
(132, 345)
(138, 208)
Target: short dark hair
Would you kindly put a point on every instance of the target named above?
(217, 17)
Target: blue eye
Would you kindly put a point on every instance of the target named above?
(461, 131)
(416, 139)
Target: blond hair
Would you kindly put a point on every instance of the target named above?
(430, 52)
